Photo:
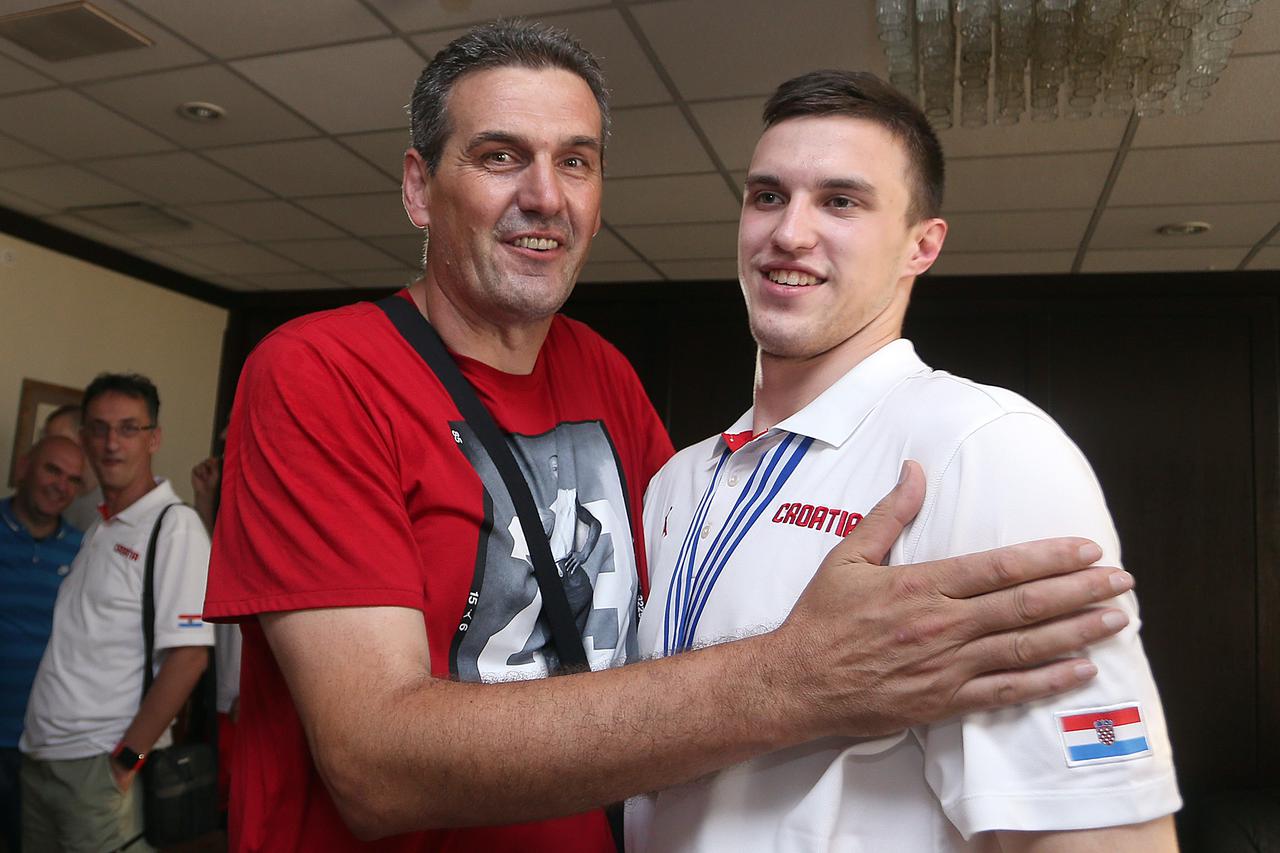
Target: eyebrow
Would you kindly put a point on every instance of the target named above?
(502, 136)
(857, 185)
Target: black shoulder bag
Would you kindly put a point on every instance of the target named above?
(422, 336)
(180, 782)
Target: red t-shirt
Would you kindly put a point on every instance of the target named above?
(350, 479)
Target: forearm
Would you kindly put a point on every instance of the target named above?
(1156, 836)
(500, 753)
(174, 682)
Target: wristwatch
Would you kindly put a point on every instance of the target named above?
(126, 758)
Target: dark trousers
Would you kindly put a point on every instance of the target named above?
(11, 798)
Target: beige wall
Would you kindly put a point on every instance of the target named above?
(64, 321)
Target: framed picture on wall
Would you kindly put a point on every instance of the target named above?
(38, 401)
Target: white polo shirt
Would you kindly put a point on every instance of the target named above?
(735, 535)
(89, 684)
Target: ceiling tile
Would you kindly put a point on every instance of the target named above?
(332, 255)
(1034, 137)
(61, 187)
(231, 282)
(384, 149)
(152, 100)
(308, 167)
(407, 250)
(168, 51)
(176, 178)
(1232, 112)
(1199, 175)
(231, 28)
(687, 198)
(173, 262)
(733, 127)
(605, 246)
(14, 153)
(343, 89)
(72, 126)
(368, 215)
(236, 259)
(199, 234)
(683, 242)
(654, 141)
(293, 281)
(714, 48)
(722, 269)
(1002, 263)
(23, 205)
(1267, 259)
(448, 14)
(1023, 231)
(18, 78)
(264, 220)
(604, 272)
(93, 232)
(1019, 183)
(1162, 260)
(386, 279)
(1262, 33)
(1232, 225)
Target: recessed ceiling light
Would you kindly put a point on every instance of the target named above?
(1183, 229)
(201, 111)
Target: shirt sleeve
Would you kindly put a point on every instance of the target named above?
(182, 564)
(313, 513)
(1097, 756)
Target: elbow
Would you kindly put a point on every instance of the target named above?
(369, 800)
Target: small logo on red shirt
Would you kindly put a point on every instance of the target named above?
(828, 519)
(132, 555)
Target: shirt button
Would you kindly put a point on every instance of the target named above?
(706, 531)
(733, 480)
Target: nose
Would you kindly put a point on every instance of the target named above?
(794, 231)
(540, 189)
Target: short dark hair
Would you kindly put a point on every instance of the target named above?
(499, 44)
(860, 94)
(133, 385)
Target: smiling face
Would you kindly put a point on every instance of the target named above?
(515, 201)
(826, 250)
(49, 480)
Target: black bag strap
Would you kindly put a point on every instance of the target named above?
(420, 334)
(208, 685)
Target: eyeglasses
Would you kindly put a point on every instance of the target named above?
(101, 429)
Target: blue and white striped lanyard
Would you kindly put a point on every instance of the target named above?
(694, 578)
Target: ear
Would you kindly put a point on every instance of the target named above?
(929, 236)
(156, 439)
(23, 467)
(414, 188)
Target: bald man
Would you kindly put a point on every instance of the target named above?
(65, 421)
(37, 546)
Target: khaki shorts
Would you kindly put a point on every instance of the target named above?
(75, 806)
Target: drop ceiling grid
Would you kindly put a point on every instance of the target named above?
(659, 32)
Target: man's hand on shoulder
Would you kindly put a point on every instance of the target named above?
(881, 648)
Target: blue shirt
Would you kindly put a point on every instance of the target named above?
(31, 570)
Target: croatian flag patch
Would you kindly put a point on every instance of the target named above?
(1103, 735)
(189, 620)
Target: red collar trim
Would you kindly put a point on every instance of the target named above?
(738, 440)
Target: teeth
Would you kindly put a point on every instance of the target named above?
(541, 244)
(792, 278)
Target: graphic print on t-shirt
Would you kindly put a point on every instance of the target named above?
(577, 485)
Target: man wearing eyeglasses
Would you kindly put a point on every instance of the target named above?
(88, 726)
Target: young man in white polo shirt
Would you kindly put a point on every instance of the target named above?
(88, 727)
(840, 214)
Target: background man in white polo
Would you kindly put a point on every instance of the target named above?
(840, 214)
(88, 727)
